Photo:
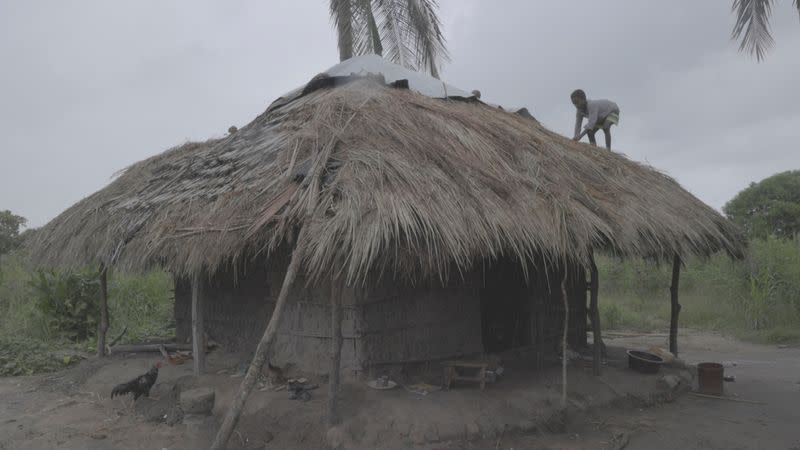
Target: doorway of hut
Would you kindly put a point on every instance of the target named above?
(505, 315)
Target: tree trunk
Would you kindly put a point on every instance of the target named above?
(102, 328)
(198, 327)
(135, 348)
(594, 287)
(336, 350)
(434, 70)
(564, 340)
(675, 306)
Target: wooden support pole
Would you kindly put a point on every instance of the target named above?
(232, 417)
(235, 411)
(594, 286)
(336, 351)
(198, 341)
(675, 308)
(102, 327)
(564, 340)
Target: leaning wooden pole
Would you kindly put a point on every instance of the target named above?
(675, 308)
(198, 326)
(232, 417)
(235, 410)
(564, 340)
(336, 351)
(102, 327)
(594, 286)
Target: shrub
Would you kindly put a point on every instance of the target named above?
(69, 301)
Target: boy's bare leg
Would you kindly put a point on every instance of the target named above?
(607, 133)
(591, 137)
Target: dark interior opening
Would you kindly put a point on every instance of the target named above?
(505, 312)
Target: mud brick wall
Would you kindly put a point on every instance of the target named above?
(237, 309)
(407, 324)
(387, 323)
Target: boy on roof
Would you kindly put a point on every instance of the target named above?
(600, 114)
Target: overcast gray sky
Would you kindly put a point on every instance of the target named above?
(89, 87)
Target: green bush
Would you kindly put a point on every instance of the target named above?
(69, 301)
(19, 315)
(47, 318)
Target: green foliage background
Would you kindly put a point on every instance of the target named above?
(757, 298)
(49, 319)
(770, 207)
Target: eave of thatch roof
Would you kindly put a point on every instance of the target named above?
(415, 184)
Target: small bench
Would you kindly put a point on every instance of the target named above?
(451, 372)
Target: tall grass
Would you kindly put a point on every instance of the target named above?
(757, 298)
(140, 304)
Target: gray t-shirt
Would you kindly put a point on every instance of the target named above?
(595, 110)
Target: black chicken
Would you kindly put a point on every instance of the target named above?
(140, 385)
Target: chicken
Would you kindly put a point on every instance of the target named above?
(140, 385)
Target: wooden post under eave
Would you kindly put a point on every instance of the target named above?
(675, 307)
(336, 351)
(102, 327)
(198, 341)
(594, 286)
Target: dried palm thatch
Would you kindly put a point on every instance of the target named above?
(413, 185)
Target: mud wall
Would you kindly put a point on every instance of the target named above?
(386, 323)
(237, 309)
(408, 324)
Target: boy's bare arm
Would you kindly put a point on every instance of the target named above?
(578, 120)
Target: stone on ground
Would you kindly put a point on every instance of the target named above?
(197, 401)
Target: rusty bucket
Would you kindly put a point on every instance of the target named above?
(710, 376)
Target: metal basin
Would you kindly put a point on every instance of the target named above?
(644, 362)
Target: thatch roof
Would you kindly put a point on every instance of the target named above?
(414, 184)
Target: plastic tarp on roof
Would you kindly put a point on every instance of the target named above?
(418, 82)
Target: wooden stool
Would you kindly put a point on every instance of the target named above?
(451, 372)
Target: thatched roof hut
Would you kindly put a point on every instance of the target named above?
(421, 184)
(415, 184)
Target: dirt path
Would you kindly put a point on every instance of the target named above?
(766, 374)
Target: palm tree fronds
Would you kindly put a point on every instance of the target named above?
(366, 34)
(429, 40)
(752, 26)
(342, 17)
(394, 31)
(407, 32)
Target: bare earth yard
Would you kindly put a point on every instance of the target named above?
(71, 409)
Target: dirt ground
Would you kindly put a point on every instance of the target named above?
(71, 409)
(767, 378)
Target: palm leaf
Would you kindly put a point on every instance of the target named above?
(394, 28)
(752, 26)
(429, 40)
(342, 17)
(407, 32)
(367, 36)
